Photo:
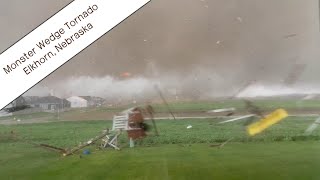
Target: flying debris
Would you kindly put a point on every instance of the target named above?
(150, 111)
(222, 110)
(238, 118)
(242, 89)
(295, 73)
(253, 109)
(164, 100)
(239, 19)
(270, 120)
(125, 74)
(229, 111)
(289, 36)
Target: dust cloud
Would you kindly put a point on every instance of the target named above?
(204, 48)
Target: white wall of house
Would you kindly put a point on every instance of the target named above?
(77, 102)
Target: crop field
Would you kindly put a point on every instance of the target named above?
(280, 152)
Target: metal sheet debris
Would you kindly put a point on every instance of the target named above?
(312, 127)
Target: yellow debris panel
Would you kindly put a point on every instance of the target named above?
(268, 121)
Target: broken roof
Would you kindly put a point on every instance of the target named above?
(92, 98)
(52, 99)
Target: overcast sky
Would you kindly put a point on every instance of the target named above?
(212, 47)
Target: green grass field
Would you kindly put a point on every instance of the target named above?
(280, 152)
(265, 104)
(28, 116)
(282, 160)
(176, 107)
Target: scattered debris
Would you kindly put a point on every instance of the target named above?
(236, 119)
(222, 144)
(110, 140)
(81, 146)
(131, 121)
(49, 147)
(125, 74)
(230, 114)
(253, 109)
(164, 100)
(150, 111)
(289, 36)
(312, 127)
(86, 152)
(243, 88)
(52, 147)
(239, 19)
(221, 110)
(225, 143)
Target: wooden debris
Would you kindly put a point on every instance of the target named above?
(86, 144)
(151, 112)
(165, 102)
(53, 148)
(221, 144)
(49, 147)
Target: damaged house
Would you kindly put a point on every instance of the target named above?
(85, 101)
(77, 102)
(93, 101)
(47, 103)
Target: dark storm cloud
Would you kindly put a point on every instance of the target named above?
(205, 46)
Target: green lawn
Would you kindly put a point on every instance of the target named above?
(281, 160)
(280, 152)
(67, 134)
(185, 107)
(265, 104)
(29, 116)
